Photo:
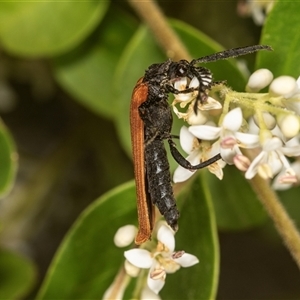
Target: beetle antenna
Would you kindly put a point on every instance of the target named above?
(230, 53)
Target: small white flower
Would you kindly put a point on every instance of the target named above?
(202, 116)
(183, 99)
(162, 261)
(140, 258)
(227, 134)
(189, 116)
(287, 178)
(197, 153)
(272, 158)
(182, 85)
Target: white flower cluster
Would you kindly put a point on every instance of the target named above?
(160, 261)
(265, 125)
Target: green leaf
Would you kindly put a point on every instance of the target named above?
(47, 28)
(8, 159)
(87, 72)
(88, 260)
(235, 203)
(197, 235)
(142, 51)
(290, 200)
(17, 275)
(281, 31)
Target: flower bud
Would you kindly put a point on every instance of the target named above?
(125, 235)
(199, 119)
(283, 86)
(259, 80)
(269, 120)
(130, 269)
(289, 125)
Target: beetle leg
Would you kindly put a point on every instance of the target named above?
(172, 90)
(185, 163)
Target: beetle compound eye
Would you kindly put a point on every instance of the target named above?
(181, 71)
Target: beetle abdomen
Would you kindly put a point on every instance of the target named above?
(159, 181)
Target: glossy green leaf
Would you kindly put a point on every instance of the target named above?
(8, 158)
(281, 31)
(17, 275)
(88, 260)
(235, 203)
(47, 28)
(87, 72)
(197, 235)
(143, 51)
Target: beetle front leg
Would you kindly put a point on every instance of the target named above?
(185, 163)
(172, 90)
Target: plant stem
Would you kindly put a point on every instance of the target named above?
(168, 40)
(118, 286)
(283, 223)
(151, 14)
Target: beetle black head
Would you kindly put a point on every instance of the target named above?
(179, 69)
(183, 68)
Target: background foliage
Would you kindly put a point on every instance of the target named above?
(67, 71)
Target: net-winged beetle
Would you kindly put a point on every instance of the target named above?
(151, 124)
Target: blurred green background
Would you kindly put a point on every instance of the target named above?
(56, 62)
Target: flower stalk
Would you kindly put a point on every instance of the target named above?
(152, 15)
(118, 286)
(283, 223)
